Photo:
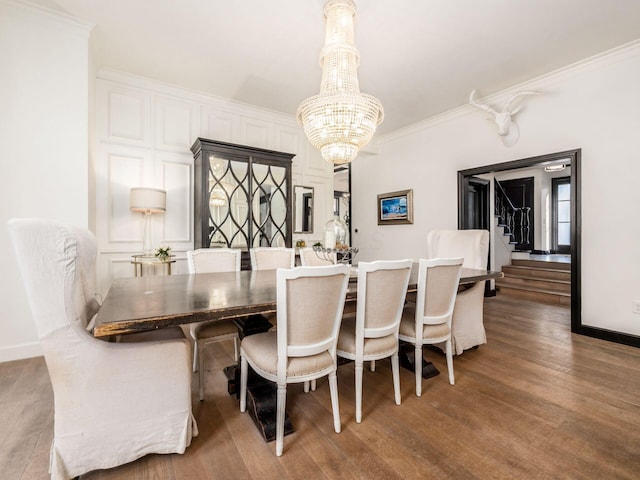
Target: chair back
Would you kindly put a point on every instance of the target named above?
(310, 301)
(438, 281)
(57, 262)
(271, 258)
(382, 288)
(309, 258)
(209, 260)
(472, 245)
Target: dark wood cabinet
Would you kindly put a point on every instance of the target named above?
(243, 196)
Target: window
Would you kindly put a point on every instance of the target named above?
(561, 227)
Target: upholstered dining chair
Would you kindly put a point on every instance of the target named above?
(309, 308)
(373, 333)
(429, 321)
(468, 319)
(113, 402)
(209, 260)
(309, 258)
(271, 258)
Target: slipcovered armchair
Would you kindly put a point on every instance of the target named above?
(473, 245)
(113, 402)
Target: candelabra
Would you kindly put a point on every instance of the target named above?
(340, 255)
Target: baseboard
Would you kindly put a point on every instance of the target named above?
(610, 335)
(18, 352)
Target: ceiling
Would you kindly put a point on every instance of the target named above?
(419, 57)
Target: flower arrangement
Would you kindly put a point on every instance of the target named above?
(163, 252)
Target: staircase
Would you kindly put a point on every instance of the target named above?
(542, 281)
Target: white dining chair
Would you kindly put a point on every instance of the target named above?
(210, 260)
(310, 301)
(271, 258)
(429, 321)
(373, 333)
(310, 258)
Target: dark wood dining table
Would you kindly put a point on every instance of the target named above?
(147, 303)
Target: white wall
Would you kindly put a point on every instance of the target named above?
(43, 144)
(144, 131)
(592, 106)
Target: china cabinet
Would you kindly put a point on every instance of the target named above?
(243, 197)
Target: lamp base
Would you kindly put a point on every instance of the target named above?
(147, 241)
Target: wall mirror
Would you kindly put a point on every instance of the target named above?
(303, 208)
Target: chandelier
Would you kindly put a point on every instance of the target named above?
(340, 119)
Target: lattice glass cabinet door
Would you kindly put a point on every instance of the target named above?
(243, 196)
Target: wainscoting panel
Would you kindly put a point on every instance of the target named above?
(176, 176)
(126, 116)
(176, 124)
(220, 125)
(125, 169)
(256, 133)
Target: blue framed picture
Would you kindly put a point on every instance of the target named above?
(395, 207)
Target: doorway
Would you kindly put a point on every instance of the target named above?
(466, 220)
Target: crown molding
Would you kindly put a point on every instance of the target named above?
(60, 17)
(183, 93)
(595, 62)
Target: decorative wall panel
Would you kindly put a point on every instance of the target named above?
(220, 125)
(175, 124)
(127, 117)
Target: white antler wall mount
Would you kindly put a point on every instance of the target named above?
(507, 126)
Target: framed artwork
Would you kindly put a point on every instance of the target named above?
(395, 207)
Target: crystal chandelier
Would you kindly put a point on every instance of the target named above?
(339, 120)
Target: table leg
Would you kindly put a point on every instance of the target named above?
(406, 354)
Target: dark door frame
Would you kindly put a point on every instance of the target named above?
(576, 235)
(576, 227)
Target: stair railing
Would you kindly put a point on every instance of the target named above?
(515, 220)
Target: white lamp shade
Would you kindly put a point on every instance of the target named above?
(148, 200)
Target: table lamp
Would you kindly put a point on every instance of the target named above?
(147, 201)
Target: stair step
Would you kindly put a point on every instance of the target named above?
(537, 272)
(554, 298)
(541, 264)
(540, 284)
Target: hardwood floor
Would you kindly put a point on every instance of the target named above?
(535, 402)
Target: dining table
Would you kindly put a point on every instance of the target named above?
(140, 304)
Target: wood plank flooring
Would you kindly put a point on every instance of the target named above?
(536, 402)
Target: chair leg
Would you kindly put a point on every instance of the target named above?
(195, 355)
(201, 373)
(373, 365)
(418, 370)
(359, 371)
(306, 386)
(244, 368)
(395, 368)
(281, 404)
(313, 385)
(235, 349)
(333, 388)
(449, 354)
